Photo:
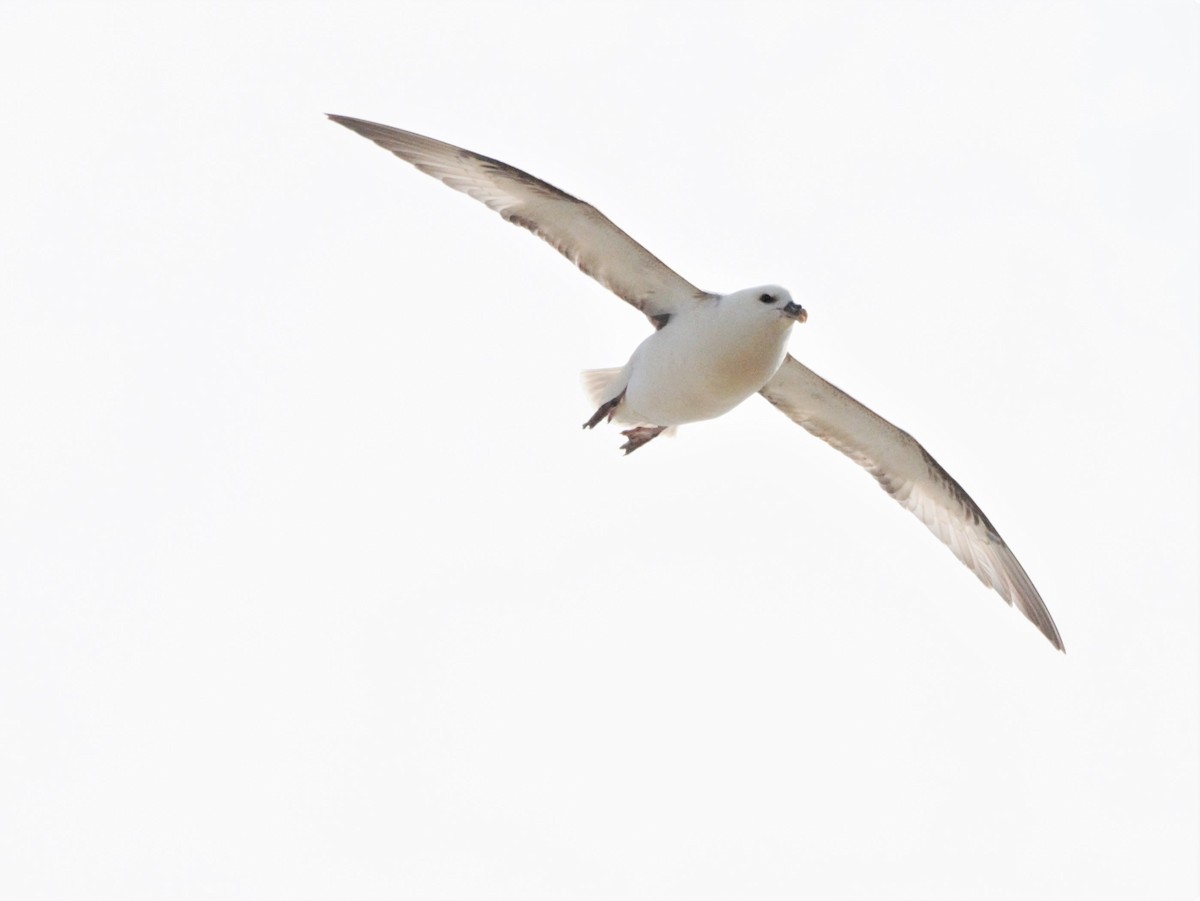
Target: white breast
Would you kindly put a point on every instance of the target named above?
(701, 366)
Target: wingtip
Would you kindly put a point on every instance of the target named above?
(1047, 628)
(347, 121)
(1053, 637)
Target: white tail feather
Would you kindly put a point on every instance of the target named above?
(597, 382)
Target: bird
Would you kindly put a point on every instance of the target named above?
(708, 352)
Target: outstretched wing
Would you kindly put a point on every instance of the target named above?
(912, 477)
(576, 229)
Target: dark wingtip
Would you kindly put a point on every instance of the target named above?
(1051, 632)
(348, 121)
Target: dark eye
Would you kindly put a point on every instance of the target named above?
(766, 298)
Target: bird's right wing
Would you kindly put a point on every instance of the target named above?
(909, 474)
(578, 230)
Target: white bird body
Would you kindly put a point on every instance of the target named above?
(705, 360)
(710, 352)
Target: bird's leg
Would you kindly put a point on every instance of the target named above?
(640, 435)
(607, 409)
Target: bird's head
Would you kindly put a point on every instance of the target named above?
(770, 300)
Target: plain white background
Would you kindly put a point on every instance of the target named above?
(312, 587)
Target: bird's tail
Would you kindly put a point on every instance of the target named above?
(600, 384)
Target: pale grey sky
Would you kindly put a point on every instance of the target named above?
(311, 586)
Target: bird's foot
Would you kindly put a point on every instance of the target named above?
(606, 411)
(640, 435)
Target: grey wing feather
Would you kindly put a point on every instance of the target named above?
(576, 229)
(909, 474)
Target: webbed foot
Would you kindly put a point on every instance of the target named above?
(640, 435)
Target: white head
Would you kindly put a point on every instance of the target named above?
(766, 300)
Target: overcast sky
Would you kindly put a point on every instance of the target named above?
(311, 586)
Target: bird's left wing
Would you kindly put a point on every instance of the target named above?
(578, 230)
(909, 474)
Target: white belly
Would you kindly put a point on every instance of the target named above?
(698, 372)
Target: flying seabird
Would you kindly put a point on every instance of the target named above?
(709, 352)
